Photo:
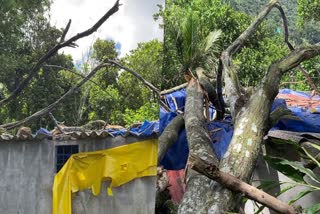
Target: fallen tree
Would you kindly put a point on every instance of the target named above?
(250, 111)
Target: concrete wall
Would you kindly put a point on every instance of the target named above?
(28, 169)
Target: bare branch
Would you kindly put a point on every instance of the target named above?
(211, 92)
(167, 91)
(64, 33)
(236, 185)
(56, 123)
(291, 48)
(233, 88)
(199, 143)
(219, 88)
(54, 50)
(49, 108)
(137, 75)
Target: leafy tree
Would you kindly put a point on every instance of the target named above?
(27, 36)
(146, 59)
(212, 15)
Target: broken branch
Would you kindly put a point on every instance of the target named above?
(71, 71)
(233, 87)
(168, 91)
(199, 143)
(236, 185)
(137, 75)
(54, 104)
(65, 31)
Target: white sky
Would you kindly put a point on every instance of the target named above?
(133, 23)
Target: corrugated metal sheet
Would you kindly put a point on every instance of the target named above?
(5, 137)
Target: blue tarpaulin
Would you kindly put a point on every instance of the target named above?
(177, 155)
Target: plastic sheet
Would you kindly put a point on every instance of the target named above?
(87, 170)
(176, 157)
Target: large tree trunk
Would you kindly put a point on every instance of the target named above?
(251, 121)
(198, 195)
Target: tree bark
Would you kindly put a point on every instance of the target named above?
(236, 185)
(169, 136)
(198, 195)
(251, 125)
(211, 92)
(251, 119)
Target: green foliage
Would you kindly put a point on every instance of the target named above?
(120, 98)
(26, 35)
(196, 19)
(309, 10)
(148, 110)
(252, 63)
(300, 175)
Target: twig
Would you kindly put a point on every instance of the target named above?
(168, 91)
(236, 185)
(54, 50)
(56, 123)
(54, 104)
(64, 33)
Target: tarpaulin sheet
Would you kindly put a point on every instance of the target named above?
(176, 157)
(303, 106)
(88, 169)
(176, 100)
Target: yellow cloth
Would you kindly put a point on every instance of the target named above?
(86, 170)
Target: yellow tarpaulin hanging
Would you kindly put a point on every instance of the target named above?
(88, 169)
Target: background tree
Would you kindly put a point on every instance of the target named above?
(27, 35)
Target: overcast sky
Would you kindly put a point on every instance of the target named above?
(133, 23)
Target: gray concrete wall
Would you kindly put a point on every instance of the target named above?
(28, 169)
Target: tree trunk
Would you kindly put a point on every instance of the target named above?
(169, 136)
(251, 121)
(198, 195)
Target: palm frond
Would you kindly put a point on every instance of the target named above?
(211, 39)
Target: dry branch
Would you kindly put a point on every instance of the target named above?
(70, 42)
(211, 91)
(236, 185)
(167, 91)
(49, 108)
(137, 75)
